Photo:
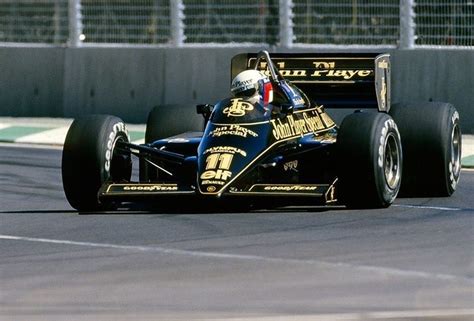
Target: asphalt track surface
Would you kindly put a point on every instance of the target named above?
(412, 261)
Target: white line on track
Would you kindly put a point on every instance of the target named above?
(31, 146)
(215, 255)
(441, 208)
(383, 315)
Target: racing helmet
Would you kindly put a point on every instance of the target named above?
(250, 83)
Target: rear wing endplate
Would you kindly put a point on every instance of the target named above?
(335, 80)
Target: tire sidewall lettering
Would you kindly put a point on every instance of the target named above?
(117, 129)
(455, 117)
(453, 180)
(389, 128)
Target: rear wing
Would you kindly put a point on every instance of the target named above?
(335, 80)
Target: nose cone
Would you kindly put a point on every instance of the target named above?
(225, 152)
(220, 166)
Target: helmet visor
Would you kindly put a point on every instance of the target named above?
(246, 93)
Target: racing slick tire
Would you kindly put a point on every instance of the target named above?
(431, 140)
(166, 121)
(90, 159)
(369, 160)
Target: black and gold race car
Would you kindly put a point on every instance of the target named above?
(286, 151)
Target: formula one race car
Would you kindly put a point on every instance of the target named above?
(273, 141)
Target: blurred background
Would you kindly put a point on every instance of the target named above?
(62, 58)
(388, 23)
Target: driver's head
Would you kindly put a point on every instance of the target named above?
(252, 83)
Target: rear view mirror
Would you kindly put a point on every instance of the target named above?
(205, 110)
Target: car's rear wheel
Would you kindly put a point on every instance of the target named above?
(90, 158)
(369, 160)
(166, 121)
(431, 140)
(169, 120)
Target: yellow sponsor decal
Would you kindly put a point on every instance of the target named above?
(320, 69)
(219, 174)
(290, 165)
(211, 182)
(219, 160)
(344, 74)
(383, 94)
(238, 108)
(383, 64)
(211, 189)
(142, 188)
(284, 188)
(326, 119)
(225, 149)
(290, 188)
(217, 166)
(234, 130)
(294, 127)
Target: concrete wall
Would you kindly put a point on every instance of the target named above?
(31, 81)
(436, 75)
(128, 82)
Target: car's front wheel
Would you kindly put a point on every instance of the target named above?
(90, 158)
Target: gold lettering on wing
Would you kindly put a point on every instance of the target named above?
(383, 64)
(383, 94)
(238, 108)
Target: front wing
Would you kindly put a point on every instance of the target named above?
(324, 193)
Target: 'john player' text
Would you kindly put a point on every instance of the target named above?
(290, 127)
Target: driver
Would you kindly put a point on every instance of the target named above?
(254, 86)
